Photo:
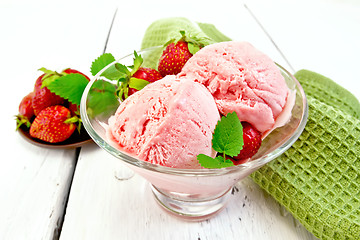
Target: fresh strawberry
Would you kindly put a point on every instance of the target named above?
(26, 111)
(136, 78)
(53, 124)
(148, 74)
(252, 143)
(174, 58)
(177, 53)
(43, 98)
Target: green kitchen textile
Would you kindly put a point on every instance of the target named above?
(163, 30)
(318, 178)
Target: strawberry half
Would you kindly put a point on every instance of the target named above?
(177, 53)
(26, 111)
(53, 124)
(252, 143)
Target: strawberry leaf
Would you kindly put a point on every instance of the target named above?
(102, 99)
(193, 48)
(137, 83)
(228, 135)
(122, 69)
(138, 60)
(101, 62)
(69, 87)
(46, 71)
(112, 73)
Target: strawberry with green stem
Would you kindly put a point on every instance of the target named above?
(177, 53)
(43, 97)
(54, 124)
(46, 96)
(134, 79)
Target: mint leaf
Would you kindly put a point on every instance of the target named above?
(228, 135)
(101, 62)
(69, 87)
(137, 83)
(218, 162)
(227, 140)
(102, 99)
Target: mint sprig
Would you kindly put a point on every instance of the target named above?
(120, 73)
(227, 141)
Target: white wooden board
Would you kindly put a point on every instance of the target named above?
(34, 181)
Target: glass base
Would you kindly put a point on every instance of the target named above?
(190, 209)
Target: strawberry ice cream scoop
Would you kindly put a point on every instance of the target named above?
(169, 122)
(241, 79)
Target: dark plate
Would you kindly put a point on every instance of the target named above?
(76, 139)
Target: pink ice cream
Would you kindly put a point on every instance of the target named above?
(241, 79)
(169, 122)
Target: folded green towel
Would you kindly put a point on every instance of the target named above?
(318, 178)
(163, 30)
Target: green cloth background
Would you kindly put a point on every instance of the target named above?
(318, 178)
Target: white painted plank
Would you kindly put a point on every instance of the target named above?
(34, 182)
(100, 206)
(103, 207)
(234, 21)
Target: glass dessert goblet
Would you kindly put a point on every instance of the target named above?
(192, 194)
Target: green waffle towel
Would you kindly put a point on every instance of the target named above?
(318, 178)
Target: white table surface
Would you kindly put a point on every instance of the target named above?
(79, 193)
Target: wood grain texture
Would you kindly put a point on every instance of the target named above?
(34, 181)
(102, 206)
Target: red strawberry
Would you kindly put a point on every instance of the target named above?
(252, 143)
(148, 74)
(178, 52)
(25, 106)
(174, 58)
(26, 111)
(133, 79)
(43, 98)
(53, 124)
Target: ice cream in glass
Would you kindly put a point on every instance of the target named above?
(160, 130)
